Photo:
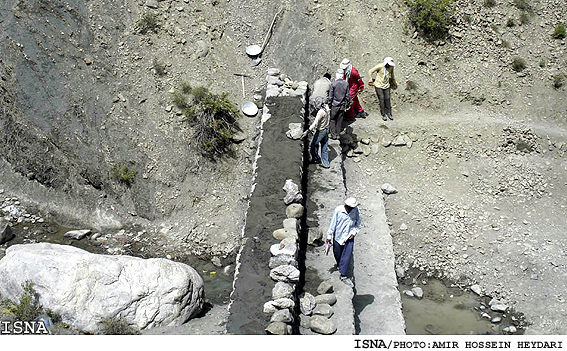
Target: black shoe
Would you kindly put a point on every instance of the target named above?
(390, 117)
(384, 117)
(362, 114)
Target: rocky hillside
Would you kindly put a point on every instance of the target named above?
(86, 87)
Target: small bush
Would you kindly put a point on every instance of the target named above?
(510, 22)
(111, 326)
(159, 67)
(148, 23)
(518, 64)
(28, 308)
(523, 5)
(558, 80)
(489, 3)
(524, 18)
(506, 44)
(411, 85)
(559, 32)
(212, 117)
(124, 173)
(542, 63)
(431, 18)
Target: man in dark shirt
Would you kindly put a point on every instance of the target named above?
(339, 99)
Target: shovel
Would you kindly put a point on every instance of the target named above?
(255, 50)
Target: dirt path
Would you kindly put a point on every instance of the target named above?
(481, 200)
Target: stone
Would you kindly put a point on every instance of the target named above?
(496, 320)
(388, 189)
(278, 328)
(287, 246)
(283, 233)
(323, 309)
(290, 223)
(399, 141)
(314, 235)
(322, 325)
(274, 80)
(329, 299)
(307, 304)
(77, 234)
(417, 292)
(403, 227)
(499, 308)
(295, 131)
(6, 233)
(202, 48)
(510, 330)
(283, 303)
(400, 272)
(153, 4)
(365, 141)
(294, 211)
(408, 293)
(281, 260)
(282, 290)
(366, 150)
(283, 316)
(86, 288)
(375, 148)
(325, 287)
(476, 289)
(292, 191)
(273, 71)
(285, 273)
(269, 307)
(304, 321)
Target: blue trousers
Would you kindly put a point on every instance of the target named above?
(320, 137)
(343, 254)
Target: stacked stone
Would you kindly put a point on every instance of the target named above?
(316, 311)
(283, 263)
(282, 85)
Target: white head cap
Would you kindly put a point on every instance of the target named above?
(340, 74)
(351, 202)
(344, 63)
(389, 61)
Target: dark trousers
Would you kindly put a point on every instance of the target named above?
(343, 254)
(336, 122)
(384, 98)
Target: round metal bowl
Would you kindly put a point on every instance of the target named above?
(253, 50)
(249, 108)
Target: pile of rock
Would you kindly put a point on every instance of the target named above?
(316, 311)
(282, 85)
(14, 212)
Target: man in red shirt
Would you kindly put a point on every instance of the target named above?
(356, 85)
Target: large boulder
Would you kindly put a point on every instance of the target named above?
(86, 288)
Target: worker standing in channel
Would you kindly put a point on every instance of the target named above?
(384, 74)
(320, 93)
(320, 127)
(344, 226)
(339, 99)
(356, 85)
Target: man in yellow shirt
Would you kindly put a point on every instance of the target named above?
(384, 72)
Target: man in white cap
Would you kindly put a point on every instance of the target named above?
(356, 85)
(344, 226)
(384, 73)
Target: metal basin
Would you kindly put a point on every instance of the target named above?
(249, 108)
(253, 50)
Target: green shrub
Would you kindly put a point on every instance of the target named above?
(506, 44)
(148, 23)
(542, 63)
(28, 308)
(559, 32)
(489, 3)
(510, 22)
(159, 67)
(111, 326)
(124, 173)
(213, 119)
(558, 80)
(518, 64)
(431, 18)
